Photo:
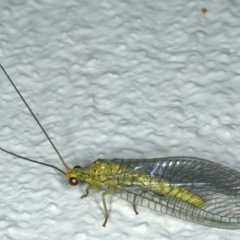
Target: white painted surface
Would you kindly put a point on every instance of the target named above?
(112, 79)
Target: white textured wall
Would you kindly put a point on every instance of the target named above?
(112, 79)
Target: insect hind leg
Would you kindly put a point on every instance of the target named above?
(134, 205)
(160, 194)
(135, 197)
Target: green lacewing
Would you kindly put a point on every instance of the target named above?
(192, 189)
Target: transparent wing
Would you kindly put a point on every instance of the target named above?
(215, 183)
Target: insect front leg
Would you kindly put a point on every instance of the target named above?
(110, 191)
(93, 186)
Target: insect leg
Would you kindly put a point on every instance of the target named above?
(87, 190)
(110, 191)
(134, 205)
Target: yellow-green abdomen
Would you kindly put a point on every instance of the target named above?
(163, 186)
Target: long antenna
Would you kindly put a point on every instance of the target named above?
(30, 160)
(39, 124)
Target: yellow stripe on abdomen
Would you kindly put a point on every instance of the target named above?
(163, 186)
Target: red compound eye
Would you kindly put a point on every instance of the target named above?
(73, 181)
